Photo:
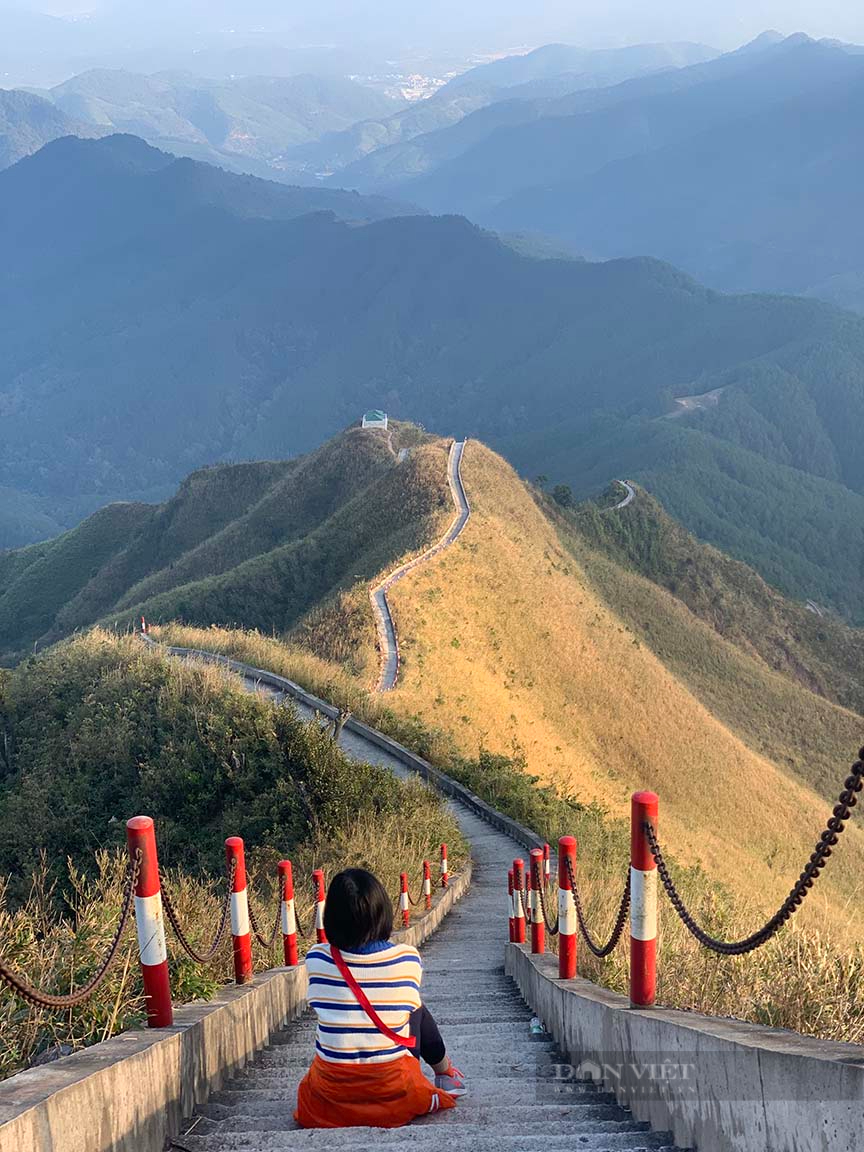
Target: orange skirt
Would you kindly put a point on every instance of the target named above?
(384, 1095)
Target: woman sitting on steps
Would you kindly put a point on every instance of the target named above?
(372, 1025)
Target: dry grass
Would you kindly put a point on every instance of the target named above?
(507, 644)
(56, 943)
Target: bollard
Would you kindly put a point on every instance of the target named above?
(547, 865)
(153, 954)
(511, 904)
(318, 889)
(289, 917)
(427, 883)
(567, 926)
(240, 935)
(404, 903)
(445, 871)
(535, 879)
(643, 903)
(518, 908)
(143, 626)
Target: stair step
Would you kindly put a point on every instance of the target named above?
(522, 1116)
(490, 1092)
(574, 1126)
(423, 1139)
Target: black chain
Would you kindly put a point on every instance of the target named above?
(265, 941)
(551, 925)
(599, 950)
(818, 860)
(206, 956)
(38, 999)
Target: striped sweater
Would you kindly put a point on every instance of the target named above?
(389, 974)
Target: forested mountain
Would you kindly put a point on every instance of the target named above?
(741, 170)
(552, 70)
(157, 315)
(245, 123)
(27, 122)
(259, 543)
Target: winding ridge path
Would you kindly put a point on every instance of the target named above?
(388, 641)
(628, 499)
(516, 1102)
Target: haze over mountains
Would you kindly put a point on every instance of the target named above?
(741, 170)
(157, 315)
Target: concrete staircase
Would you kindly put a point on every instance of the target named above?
(517, 1102)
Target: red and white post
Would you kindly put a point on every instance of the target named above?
(404, 902)
(535, 879)
(320, 897)
(143, 626)
(289, 916)
(511, 904)
(643, 902)
(518, 907)
(427, 883)
(240, 932)
(445, 867)
(567, 926)
(141, 836)
(547, 865)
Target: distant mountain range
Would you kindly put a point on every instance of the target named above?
(157, 315)
(27, 122)
(743, 170)
(245, 124)
(552, 70)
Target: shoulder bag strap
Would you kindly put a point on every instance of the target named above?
(363, 1001)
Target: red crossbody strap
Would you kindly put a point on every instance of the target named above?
(363, 1001)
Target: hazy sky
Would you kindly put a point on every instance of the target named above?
(720, 22)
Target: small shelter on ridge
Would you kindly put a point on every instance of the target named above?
(375, 419)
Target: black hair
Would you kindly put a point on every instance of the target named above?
(358, 910)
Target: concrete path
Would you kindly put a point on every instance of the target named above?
(517, 1102)
(628, 499)
(388, 642)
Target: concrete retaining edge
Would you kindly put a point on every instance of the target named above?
(718, 1085)
(155, 1078)
(771, 1090)
(439, 780)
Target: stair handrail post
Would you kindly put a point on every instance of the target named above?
(535, 880)
(643, 902)
(427, 884)
(445, 867)
(404, 903)
(567, 925)
(320, 898)
(518, 908)
(511, 906)
(150, 923)
(241, 935)
(289, 915)
(547, 864)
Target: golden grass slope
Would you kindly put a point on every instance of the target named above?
(506, 643)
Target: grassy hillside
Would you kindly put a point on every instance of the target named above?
(257, 543)
(102, 728)
(527, 640)
(808, 645)
(508, 643)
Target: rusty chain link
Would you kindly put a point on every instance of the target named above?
(599, 950)
(265, 941)
(39, 999)
(540, 889)
(818, 860)
(206, 956)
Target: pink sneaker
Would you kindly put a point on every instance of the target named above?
(451, 1081)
